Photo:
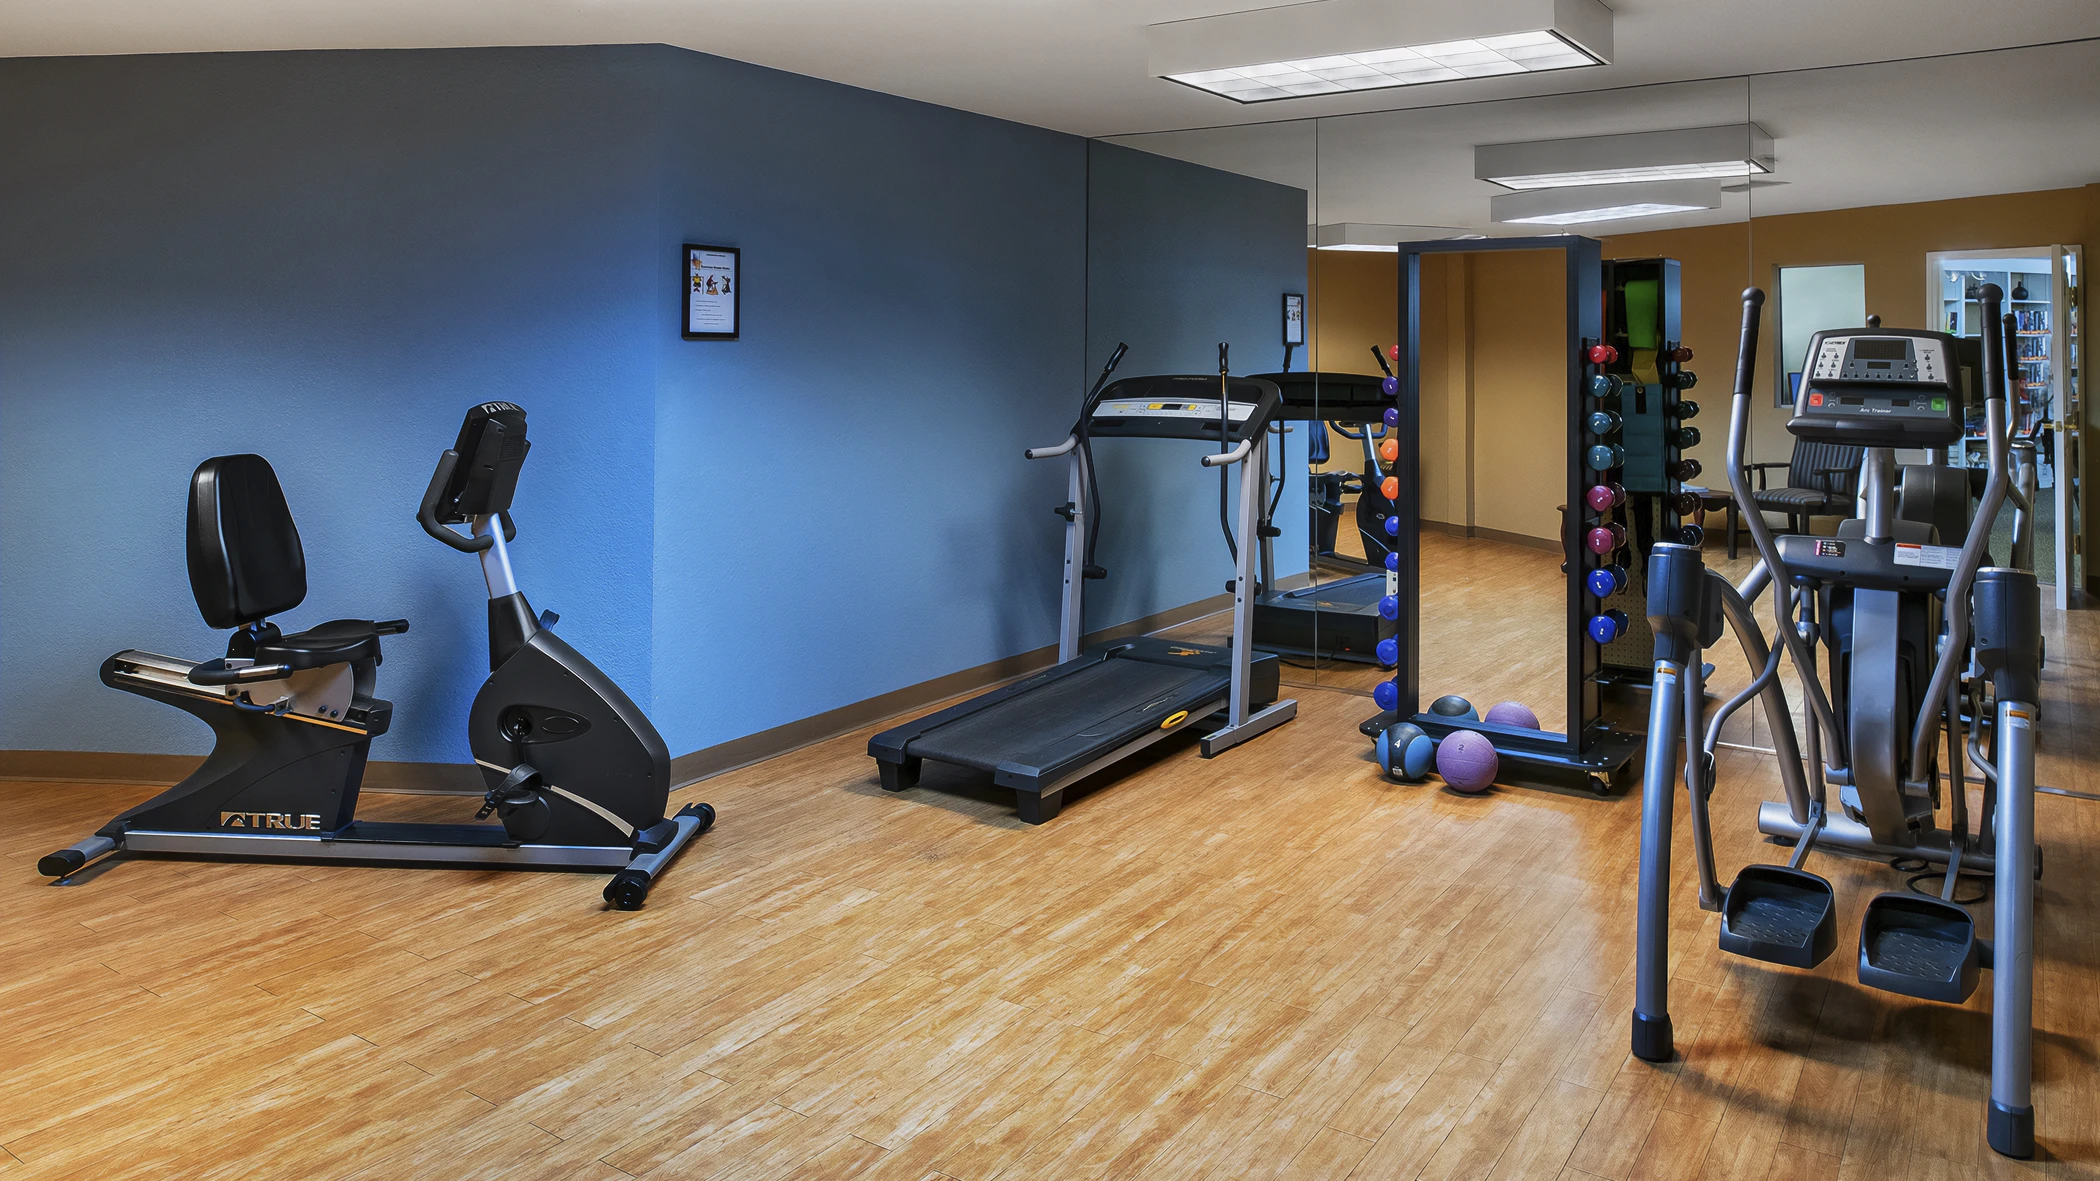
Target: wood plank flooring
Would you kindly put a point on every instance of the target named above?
(1270, 965)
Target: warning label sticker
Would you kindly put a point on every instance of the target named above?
(1935, 557)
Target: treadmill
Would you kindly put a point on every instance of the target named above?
(1092, 709)
(1337, 619)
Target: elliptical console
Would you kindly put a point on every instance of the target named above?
(1880, 387)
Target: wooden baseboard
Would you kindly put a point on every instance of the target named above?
(1486, 534)
(84, 766)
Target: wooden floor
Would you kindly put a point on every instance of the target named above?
(1270, 965)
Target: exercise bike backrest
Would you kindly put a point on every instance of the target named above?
(245, 560)
(478, 476)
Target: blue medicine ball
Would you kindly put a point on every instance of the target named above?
(1404, 752)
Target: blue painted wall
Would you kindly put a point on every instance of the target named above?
(1180, 258)
(326, 257)
(323, 258)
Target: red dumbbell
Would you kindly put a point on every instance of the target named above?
(1606, 538)
(1602, 354)
(1606, 496)
(1680, 354)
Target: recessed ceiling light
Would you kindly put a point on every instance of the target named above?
(1587, 204)
(1342, 46)
(1698, 153)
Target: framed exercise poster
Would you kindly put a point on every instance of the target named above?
(711, 291)
(1293, 318)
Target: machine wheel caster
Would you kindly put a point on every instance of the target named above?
(1599, 785)
(628, 889)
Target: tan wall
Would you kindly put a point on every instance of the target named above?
(1355, 300)
(1890, 240)
(1518, 314)
(1491, 332)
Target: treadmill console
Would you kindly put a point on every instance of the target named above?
(1184, 407)
(1880, 387)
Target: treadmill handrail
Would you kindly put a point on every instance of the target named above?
(1064, 448)
(1226, 458)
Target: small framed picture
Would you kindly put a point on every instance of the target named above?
(711, 292)
(1293, 318)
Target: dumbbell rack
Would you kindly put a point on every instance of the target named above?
(1626, 662)
(1591, 755)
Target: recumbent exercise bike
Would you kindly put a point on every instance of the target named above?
(576, 775)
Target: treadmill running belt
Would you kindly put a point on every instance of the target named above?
(1100, 698)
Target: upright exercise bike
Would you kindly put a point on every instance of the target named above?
(576, 775)
(1917, 633)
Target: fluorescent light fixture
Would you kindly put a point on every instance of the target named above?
(1368, 236)
(1698, 153)
(1587, 204)
(1341, 46)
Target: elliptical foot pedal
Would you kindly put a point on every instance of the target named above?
(1779, 915)
(1912, 945)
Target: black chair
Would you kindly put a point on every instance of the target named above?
(1822, 480)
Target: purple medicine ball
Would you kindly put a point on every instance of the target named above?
(1467, 761)
(1512, 713)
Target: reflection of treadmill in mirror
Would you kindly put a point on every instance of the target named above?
(1336, 617)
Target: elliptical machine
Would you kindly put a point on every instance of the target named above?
(1917, 634)
(576, 774)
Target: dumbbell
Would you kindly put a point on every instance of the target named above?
(1606, 496)
(1606, 581)
(1684, 504)
(1392, 526)
(1608, 625)
(1389, 652)
(1392, 416)
(1691, 535)
(1602, 354)
(1684, 379)
(1390, 387)
(1680, 354)
(1389, 607)
(1683, 408)
(1686, 436)
(1386, 694)
(1684, 469)
(1606, 456)
(1603, 385)
(1604, 423)
(1389, 451)
(1607, 537)
(1390, 487)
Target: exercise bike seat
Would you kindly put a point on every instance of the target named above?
(339, 641)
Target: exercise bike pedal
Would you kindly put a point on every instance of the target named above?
(1916, 946)
(1779, 915)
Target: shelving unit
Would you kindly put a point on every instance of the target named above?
(1961, 315)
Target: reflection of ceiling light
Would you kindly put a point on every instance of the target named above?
(1339, 46)
(1583, 205)
(1357, 235)
(1698, 153)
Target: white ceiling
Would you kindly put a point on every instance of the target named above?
(1073, 65)
(2011, 121)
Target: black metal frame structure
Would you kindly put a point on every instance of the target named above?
(1591, 755)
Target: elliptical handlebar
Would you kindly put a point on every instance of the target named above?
(1955, 652)
(1836, 756)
